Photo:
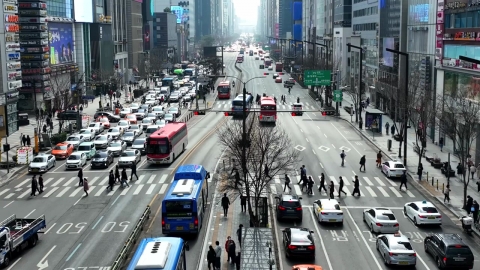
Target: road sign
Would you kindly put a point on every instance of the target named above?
(317, 77)
(337, 95)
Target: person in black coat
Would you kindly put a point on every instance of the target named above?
(356, 185)
(225, 204)
(40, 184)
(362, 163)
(332, 189)
(211, 257)
(322, 183)
(117, 174)
(111, 180)
(237, 261)
(231, 252)
(134, 171)
(468, 205)
(80, 177)
(34, 186)
(124, 178)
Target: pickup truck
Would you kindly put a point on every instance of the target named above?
(17, 234)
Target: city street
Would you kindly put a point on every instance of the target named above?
(88, 232)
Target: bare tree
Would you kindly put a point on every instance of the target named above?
(109, 80)
(459, 114)
(158, 60)
(270, 149)
(65, 98)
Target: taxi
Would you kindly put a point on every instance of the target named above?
(396, 249)
(393, 168)
(422, 212)
(62, 150)
(132, 118)
(328, 211)
(306, 267)
(104, 120)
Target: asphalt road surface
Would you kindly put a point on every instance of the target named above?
(86, 233)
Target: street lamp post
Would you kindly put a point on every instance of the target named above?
(405, 121)
(358, 115)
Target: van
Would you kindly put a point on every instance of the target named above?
(165, 90)
(88, 148)
(151, 129)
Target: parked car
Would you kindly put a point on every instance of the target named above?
(76, 161)
(41, 163)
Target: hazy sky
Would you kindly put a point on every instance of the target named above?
(246, 10)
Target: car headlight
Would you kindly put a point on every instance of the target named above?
(43, 167)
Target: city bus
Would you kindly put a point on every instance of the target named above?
(268, 110)
(237, 105)
(189, 72)
(185, 203)
(166, 253)
(167, 143)
(224, 88)
(240, 58)
(168, 81)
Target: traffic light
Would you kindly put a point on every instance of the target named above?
(199, 112)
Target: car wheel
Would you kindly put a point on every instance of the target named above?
(425, 247)
(385, 259)
(439, 263)
(371, 228)
(363, 216)
(405, 211)
(415, 221)
(377, 246)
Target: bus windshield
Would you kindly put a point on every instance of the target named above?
(178, 208)
(268, 107)
(237, 103)
(159, 146)
(167, 81)
(223, 88)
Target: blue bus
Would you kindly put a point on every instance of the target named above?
(188, 72)
(168, 81)
(237, 104)
(185, 203)
(161, 253)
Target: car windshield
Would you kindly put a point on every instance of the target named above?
(100, 155)
(141, 111)
(168, 116)
(401, 246)
(71, 139)
(60, 147)
(134, 127)
(147, 121)
(101, 138)
(174, 109)
(39, 159)
(74, 157)
(113, 130)
(430, 210)
(122, 123)
(398, 166)
(386, 216)
(128, 134)
(92, 125)
(160, 122)
(128, 154)
(139, 142)
(85, 131)
(157, 109)
(115, 144)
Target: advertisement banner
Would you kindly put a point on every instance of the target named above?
(177, 10)
(439, 33)
(146, 37)
(60, 37)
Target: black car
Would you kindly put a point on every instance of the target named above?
(298, 242)
(289, 206)
(111, 117)
(102, 159)
(68, 115)
(449, 251)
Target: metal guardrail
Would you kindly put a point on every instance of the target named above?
(131, 241)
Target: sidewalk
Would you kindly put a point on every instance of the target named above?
(440, 180)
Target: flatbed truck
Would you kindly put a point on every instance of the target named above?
(18, 234)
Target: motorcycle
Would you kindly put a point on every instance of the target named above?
(467, 223)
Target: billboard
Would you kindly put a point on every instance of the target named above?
(209, 52)
(83, 11)
(178, 11)
(60, 40)
(146, 37)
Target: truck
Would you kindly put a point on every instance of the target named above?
(278, 67)
(17, 234)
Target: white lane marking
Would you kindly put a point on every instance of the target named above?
(4, 191)
(410, 194)
(77, 190)
(100, 191)
(163, 178)
(104, 181)
(345, 181)
(394, 190)
(91, 182)
(58, 182)
(391, 182)
(47, 181)
(90, 189)
(10, 195)
(69, 182)
(384, 193)
(297, 189)
(140, 179)
(368, 181)
(370, 190)
(347, 191)
(50, 192)
(319, 234)
(24, 194)
(380, 182)
(364, 240)
(332, 178)
(111, 192)
(163, 189)
(124, 191)
(151, 188)
(62, 192)
(6, 205)
(22, 183)
(150, 180)
(31, 212)
(139, 188)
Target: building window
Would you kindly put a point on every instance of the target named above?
(159, 28)
(60, 8)
(159, 36)
(158, 19)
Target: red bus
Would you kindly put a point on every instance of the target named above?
(224, 88)
(167, 143)
(267, 62)
(279, 67)
(268, 110)
(240, 58)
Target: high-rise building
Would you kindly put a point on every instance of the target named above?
(203, 23)
(285, 19)
(121, 40)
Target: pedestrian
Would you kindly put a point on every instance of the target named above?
(80, 177)
(340, 187)
(40, 184)
(403, 180)
(322, 183)
(124, 178)
(230, 248)
(134, 171)
(44, 128)
(387, 127)
(239, 234)
(356, 186)
(310, 184)
(392, 130)
(473, 170)
(211, 257)
(362, 163)
(117, 174)
(225, 204)
(243, 203)
(468, 205)
(237, 260)
(111, 180)
(100, 104)
(85, 186)
(298, 100)
(303, 174)
(440, 143)
(379, 159)
(34, 186)
(332, 189)
(343, 155)
(29, 141)
(218, 255)
(204, 98)
(447, 194)
(24, 140)
(287, 183)
(475, 207)
(420, 171)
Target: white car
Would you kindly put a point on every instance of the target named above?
(134, 107)
(151, 129)
(136, 129)
(158, 111)
(192, 94)
(422, 213)
(129, 157)
(187, 98)
(381, 220)
(102, 141)
(160, 123)
(393, 168)
(328, 211)
(175, 97)
(151, 102)
(123, 124)
(124, 112)
(396, 249)
(270, 68)
(183, 91)
(76, 161)
(75, 140)
(115, 132)
(147, 122)
(88, 133)
(117, 147)
(140, 114)
(41, 163)
(97, 127)
(128, 137)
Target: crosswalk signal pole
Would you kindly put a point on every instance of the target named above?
(244, 135)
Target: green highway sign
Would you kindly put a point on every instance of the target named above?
(337, 95)
(317, 77)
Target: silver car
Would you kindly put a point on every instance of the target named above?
(139, 144)
(102, 141)
(136, 129)
(381, 220)
(128, 137)
(129, 157)
(97, 126)
(147, 122)
(88, 133)
(115, 132)
(396, 249)
(134, 107)
(174, 97)
(75, 140)
(140, 114)
(158, 111)
(117, 147)
(41, 163)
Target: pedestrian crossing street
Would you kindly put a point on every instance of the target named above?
(68, 187)
(227, 105)
(369, 187)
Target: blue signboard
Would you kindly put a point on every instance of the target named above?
(178, 11)
(61, 42)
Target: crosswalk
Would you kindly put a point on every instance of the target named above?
(369, 187)
(226, 105)
(68, 187)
